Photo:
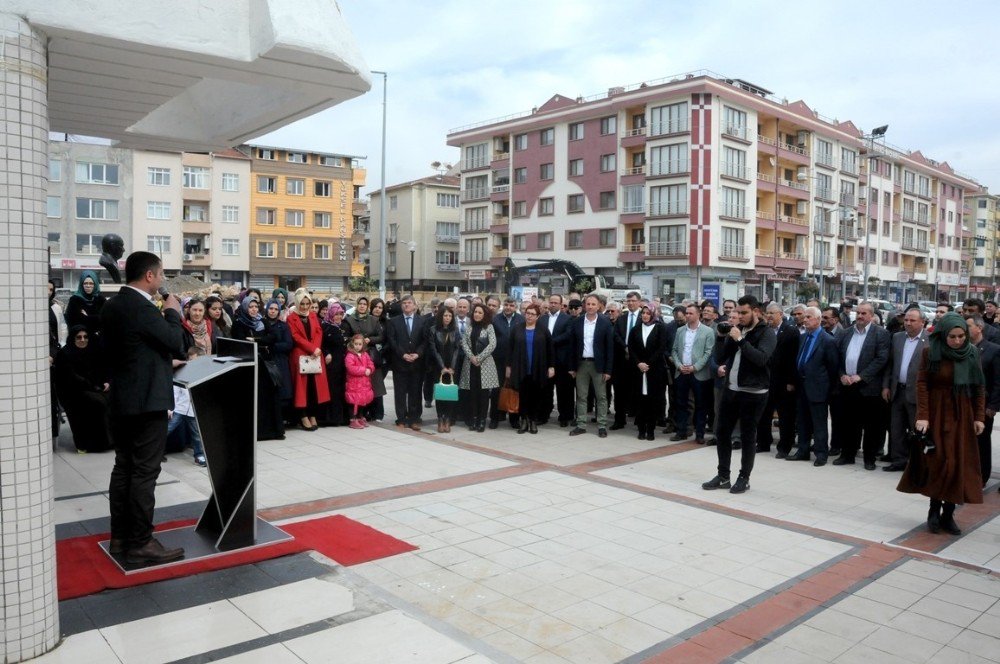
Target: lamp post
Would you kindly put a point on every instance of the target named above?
(381, 198)
(844, 211)
(412, 246)
(877, 132)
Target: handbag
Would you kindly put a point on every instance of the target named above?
(271, 367)
(510, 399)
(309, 365)
(445, 391)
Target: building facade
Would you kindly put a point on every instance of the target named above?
(303, 207)
(984, 209)
(422, 215)
(710, 185)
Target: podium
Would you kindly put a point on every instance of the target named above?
(223, 391)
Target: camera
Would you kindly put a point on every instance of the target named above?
(723, 328)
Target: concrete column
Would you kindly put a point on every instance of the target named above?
(29, 619)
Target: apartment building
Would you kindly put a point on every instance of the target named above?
(709, 183)
(193, 210)
(89, 195)
(303, 206)
(422, 217)
(984, 210)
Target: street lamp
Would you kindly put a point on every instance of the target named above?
(844, 218)
(381, 198)
(877, 132)
(412, 246)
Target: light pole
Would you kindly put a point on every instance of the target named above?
(844, 210)
(877, 132)
(381, 198)
(412, 246)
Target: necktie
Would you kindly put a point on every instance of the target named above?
(461, 327)
(631, 322)
(806, 348)
(409, 325)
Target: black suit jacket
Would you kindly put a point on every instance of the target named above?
(817, 377)
(989, 357)
(503, 329)
(786, 353)
(872, 360)
(140, 344)
(562, 339)
(403, 342)
(604, 344)
(652, 353)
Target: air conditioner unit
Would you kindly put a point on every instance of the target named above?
(216, 276)
(390, 268)
(188, 258)
(802, 207)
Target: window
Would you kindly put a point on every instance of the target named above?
(393, 202)
(546, 206)
(607, 200)
(520, 209)
(321, 252)
(574, 203)
(521, 142)
(446, 258)
(295, 186)
(909, 182)
(574, 239)
(609, 162)
(267, 184)
(547, 171)
(96, 208)
(545, 240)
(230, 247)
(671, 199)
(158, 244)
(294, 249)
(196, 177)
(297, 157)
(609, 125)
(446, 231)
(158, 210)
(520, 175)
(476, 219)
(670, 119)
(88, 173)
(848, 160)
(633, 198)
(231, 214)
(322, 220)
(476, 156)
(733, 203)
(265, 153)
(924, 186)
(230, 182)
(847, 191)
(547, 136)
(981, 203)
(158, 177)
(195, 212)
(266, 216)
(322, 188)
(734, 163)
(824, 152)
(265, 249)
(607, 237)
(733, 243)
(55, 170)
(735, 123)
(55, 244)
(53, 206)
(824, 186)
(327, 160)
(89, 245)
(576, 131)
(447, 200)
(520, 243)
(908, 207)
(477, 251)
(295, 218)
(671, 159)
(575, 167)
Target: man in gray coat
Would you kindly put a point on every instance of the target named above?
(691, 352)
(899, 385)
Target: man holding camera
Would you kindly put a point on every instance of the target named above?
(746, 355)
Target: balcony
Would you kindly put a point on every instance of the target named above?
(849, 167)
(475, 194)
(632, 253)
(823, 227)
(676, 126)
(477, 226)
(501, 188)
(766, 177)
(847, 234)
(737, 171)
(478, 258)
(675, 167)
(737, 132)
(847, 199)
(736, 252)
(912, 244)
(822, 263)
(447, 267)
(500, 156)
(790, 260)
(636, 131)
(668, 209)
(447, 239)
(923, 220)
(475, 163)
(671, 249)
(794, 225)
(634, 208)
(825, 160)
(826, 194)
(730, 211)
(635, 170)
(197, 259)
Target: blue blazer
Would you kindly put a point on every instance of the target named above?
(817, 376)
(604, 344)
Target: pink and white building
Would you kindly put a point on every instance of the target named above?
(702, 180)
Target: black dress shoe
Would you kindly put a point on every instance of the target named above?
(616, 426)
(834, 451)
(602, 433)
(737, 445)
(116, 546)
(577, 431)
(784, 455)
(843, 461)
(532, 428)
(562, 423)
(869, 465)
(895, 467)
(884, 458)
(819, 462)
(494, 424)
(678, 436)
(524, 426)
(153, 552)
(797, 457)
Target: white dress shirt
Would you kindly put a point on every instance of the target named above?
(589, 326)
(687, 357)
(854, 350)
(552, 322)
(909, 348)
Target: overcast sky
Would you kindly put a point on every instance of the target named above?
(926, 69)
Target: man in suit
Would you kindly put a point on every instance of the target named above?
(692, 349)
(591, 363)
(781, 395)
(975, 306)
(675, 323)
(560, 390)
(504, 322)
(141, 344)
(899, 385)
(405, 336)
(830, 322)
(462, 322)
(989, 357)
(431, 375)
(624, 375)
(864, 353)
(815, 374)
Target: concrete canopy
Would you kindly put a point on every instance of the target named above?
(189, 74)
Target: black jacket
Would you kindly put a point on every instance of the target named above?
(542, 355)
(604, 344)
(503, 329)
(401, 342)
(445, 349)
(786, 353)
(652, 353)
(562, 339)
(756, 348)
(989, 357)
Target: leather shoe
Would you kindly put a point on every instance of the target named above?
(494, 424)
(797, 457)
(834, 451)
(602, 433)
(577, 431)
(869, 465)
(783, 455)
(415, 426)
(819, 462)
(895, 467)
(843, 461)
(679, 436)
(116, 546)
(153, 552)
(616, 426)
(562, 423)
(699, 441)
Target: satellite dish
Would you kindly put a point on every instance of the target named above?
(435, 165)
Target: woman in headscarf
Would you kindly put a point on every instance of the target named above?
(311, 390)
(334, 350)
(279, 352)
(249, 326)
(647, 351)
(216, 313)
(85, 305)
(281, 296)
(951, 410)
(82, 386)
(198, 328)
(366, 323)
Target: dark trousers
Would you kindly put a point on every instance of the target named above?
(671, 399)
(862, 417)
(812, 427)
(780, 399)
(445, 410)
(985, 440)
(429, 379)
(902, 415)
(478, 401)
(686, 384)
(561, 390)
(648, 409)
(623, 398)
(836, 420)
(745, 408)
(139, 444)
(407, 387)
(530, 402)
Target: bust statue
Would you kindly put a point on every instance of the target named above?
(112, 248)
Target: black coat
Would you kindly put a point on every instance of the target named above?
(818, 377)
(562, 339)
(81, 312)
(756, 348)
(402, 343)
(872, 360)
(503, 329)
(989, 357)
(786, 352)
(281, 348)
(445, 349)
(604, 344)
(652, 352)
(140, 344)
(543, 355)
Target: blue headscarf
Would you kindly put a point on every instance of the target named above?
(97, 286)
(255, 323)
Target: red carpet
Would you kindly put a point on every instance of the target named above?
(82, 567)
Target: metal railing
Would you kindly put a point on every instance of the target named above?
(447, 267)
(664, 208)
(669, 127)
(448, 239)
(791, 255)
(476, 162)
(734, 211)
(797, 221)
(671, 167)
(634, 248)
(667, 249)
(475, 193)
(847, 199)
(913, 244)
(501, 188)
(826, 193)
(730, 250)
(737, 170)
(635, 170)
(736, 131)
(795, 185)
(637, 208)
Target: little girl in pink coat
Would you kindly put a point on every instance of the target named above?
(358, 389)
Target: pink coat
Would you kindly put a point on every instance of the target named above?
(358, 388)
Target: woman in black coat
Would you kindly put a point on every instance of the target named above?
(82, 386)
(280, 350)
(249, 325)
(647, 351)
(334, 349)
(85, 304)
(531, 367)
(446, 352)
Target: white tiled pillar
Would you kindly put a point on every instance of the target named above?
(29, 608)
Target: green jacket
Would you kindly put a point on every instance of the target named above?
(701, 352)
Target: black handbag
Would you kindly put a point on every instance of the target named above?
(921, 442)
(271, 367)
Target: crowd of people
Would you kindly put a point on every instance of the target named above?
(918, 395)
